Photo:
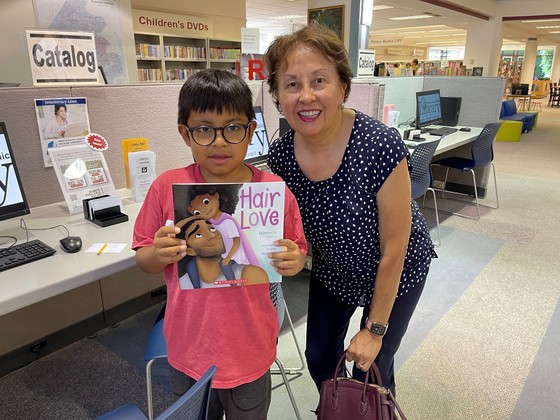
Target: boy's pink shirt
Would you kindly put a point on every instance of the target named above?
(234, 328)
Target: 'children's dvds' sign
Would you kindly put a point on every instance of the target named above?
(62, 57)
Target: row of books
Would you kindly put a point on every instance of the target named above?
(148, 51)
(150, 75)
(179, 74)
(217, 53)
(178, 51)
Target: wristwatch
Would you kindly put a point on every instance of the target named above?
(376, 328)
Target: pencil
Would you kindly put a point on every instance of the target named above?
(101, 249)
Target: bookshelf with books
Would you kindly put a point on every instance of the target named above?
(167, 58)
(441, 68)
(223, 54)
(148, 57)
(511, 71)
(183, 57)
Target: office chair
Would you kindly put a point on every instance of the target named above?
(421, 175)
(482, 154)
(156, 349)
(277, 297)
(192, 405)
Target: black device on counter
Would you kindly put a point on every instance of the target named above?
(450, 109)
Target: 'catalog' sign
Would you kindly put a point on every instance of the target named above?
(62, 57)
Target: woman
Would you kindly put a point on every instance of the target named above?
(56, 127)
(350, 175)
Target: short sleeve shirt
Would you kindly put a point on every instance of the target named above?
(340, 214)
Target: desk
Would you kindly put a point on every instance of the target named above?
(524, 101)
(451, 141)
(39, 280)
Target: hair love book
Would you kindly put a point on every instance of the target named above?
(230, 229)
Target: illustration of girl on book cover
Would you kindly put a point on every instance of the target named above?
(216, 204)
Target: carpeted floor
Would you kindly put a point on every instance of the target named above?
(483, 343)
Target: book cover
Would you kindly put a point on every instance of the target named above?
(230, 229)
(131, 145)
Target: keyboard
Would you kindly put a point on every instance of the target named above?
(24, 253)
(441, 131)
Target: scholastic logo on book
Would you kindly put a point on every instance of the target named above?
(229, 229)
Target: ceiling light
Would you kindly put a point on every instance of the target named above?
(288, 17)
(548, 27)
(411, 17)
(540, 20)
(367, 13)
(554, 32)
(382, 7)
(443, 30)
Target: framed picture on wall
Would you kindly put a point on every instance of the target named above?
(331, 17)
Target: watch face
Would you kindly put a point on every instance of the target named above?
(378, 329)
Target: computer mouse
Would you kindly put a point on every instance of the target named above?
(71, 244)
(465, 129)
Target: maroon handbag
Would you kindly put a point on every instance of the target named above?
(346, 398)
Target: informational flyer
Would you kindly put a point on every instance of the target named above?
(62, 122)
(82, 173)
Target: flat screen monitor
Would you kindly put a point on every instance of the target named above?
(428, 108)
(520, 88)
(12, 198)
(258, 149)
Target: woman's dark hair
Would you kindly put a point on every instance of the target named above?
(314, 35)
(57, 108)
(217, 91)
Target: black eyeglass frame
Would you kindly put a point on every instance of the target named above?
(221, 129)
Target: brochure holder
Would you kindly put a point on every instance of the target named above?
(104, 211)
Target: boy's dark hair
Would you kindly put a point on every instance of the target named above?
(217, 91)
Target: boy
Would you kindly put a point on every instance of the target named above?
(234, 328)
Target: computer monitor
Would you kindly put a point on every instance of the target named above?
(12, 197)
(428, 108)
(520, 88)
(258, 149)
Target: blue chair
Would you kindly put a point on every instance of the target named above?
(156, 349)
(421, 174)
(192, 405)
(482, 155)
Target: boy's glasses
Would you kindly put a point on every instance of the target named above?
(204, 135)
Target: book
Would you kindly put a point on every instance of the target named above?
(230, 229)
(142, 173)
(131, 145)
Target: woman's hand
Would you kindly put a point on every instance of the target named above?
(169, 249)
(288, 262)
(363, 349)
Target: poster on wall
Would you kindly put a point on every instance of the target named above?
(102, 18)
(62, 58)
(331, 17)
(61, 122)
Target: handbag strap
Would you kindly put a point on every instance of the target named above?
(397, 406)
(373, 370)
